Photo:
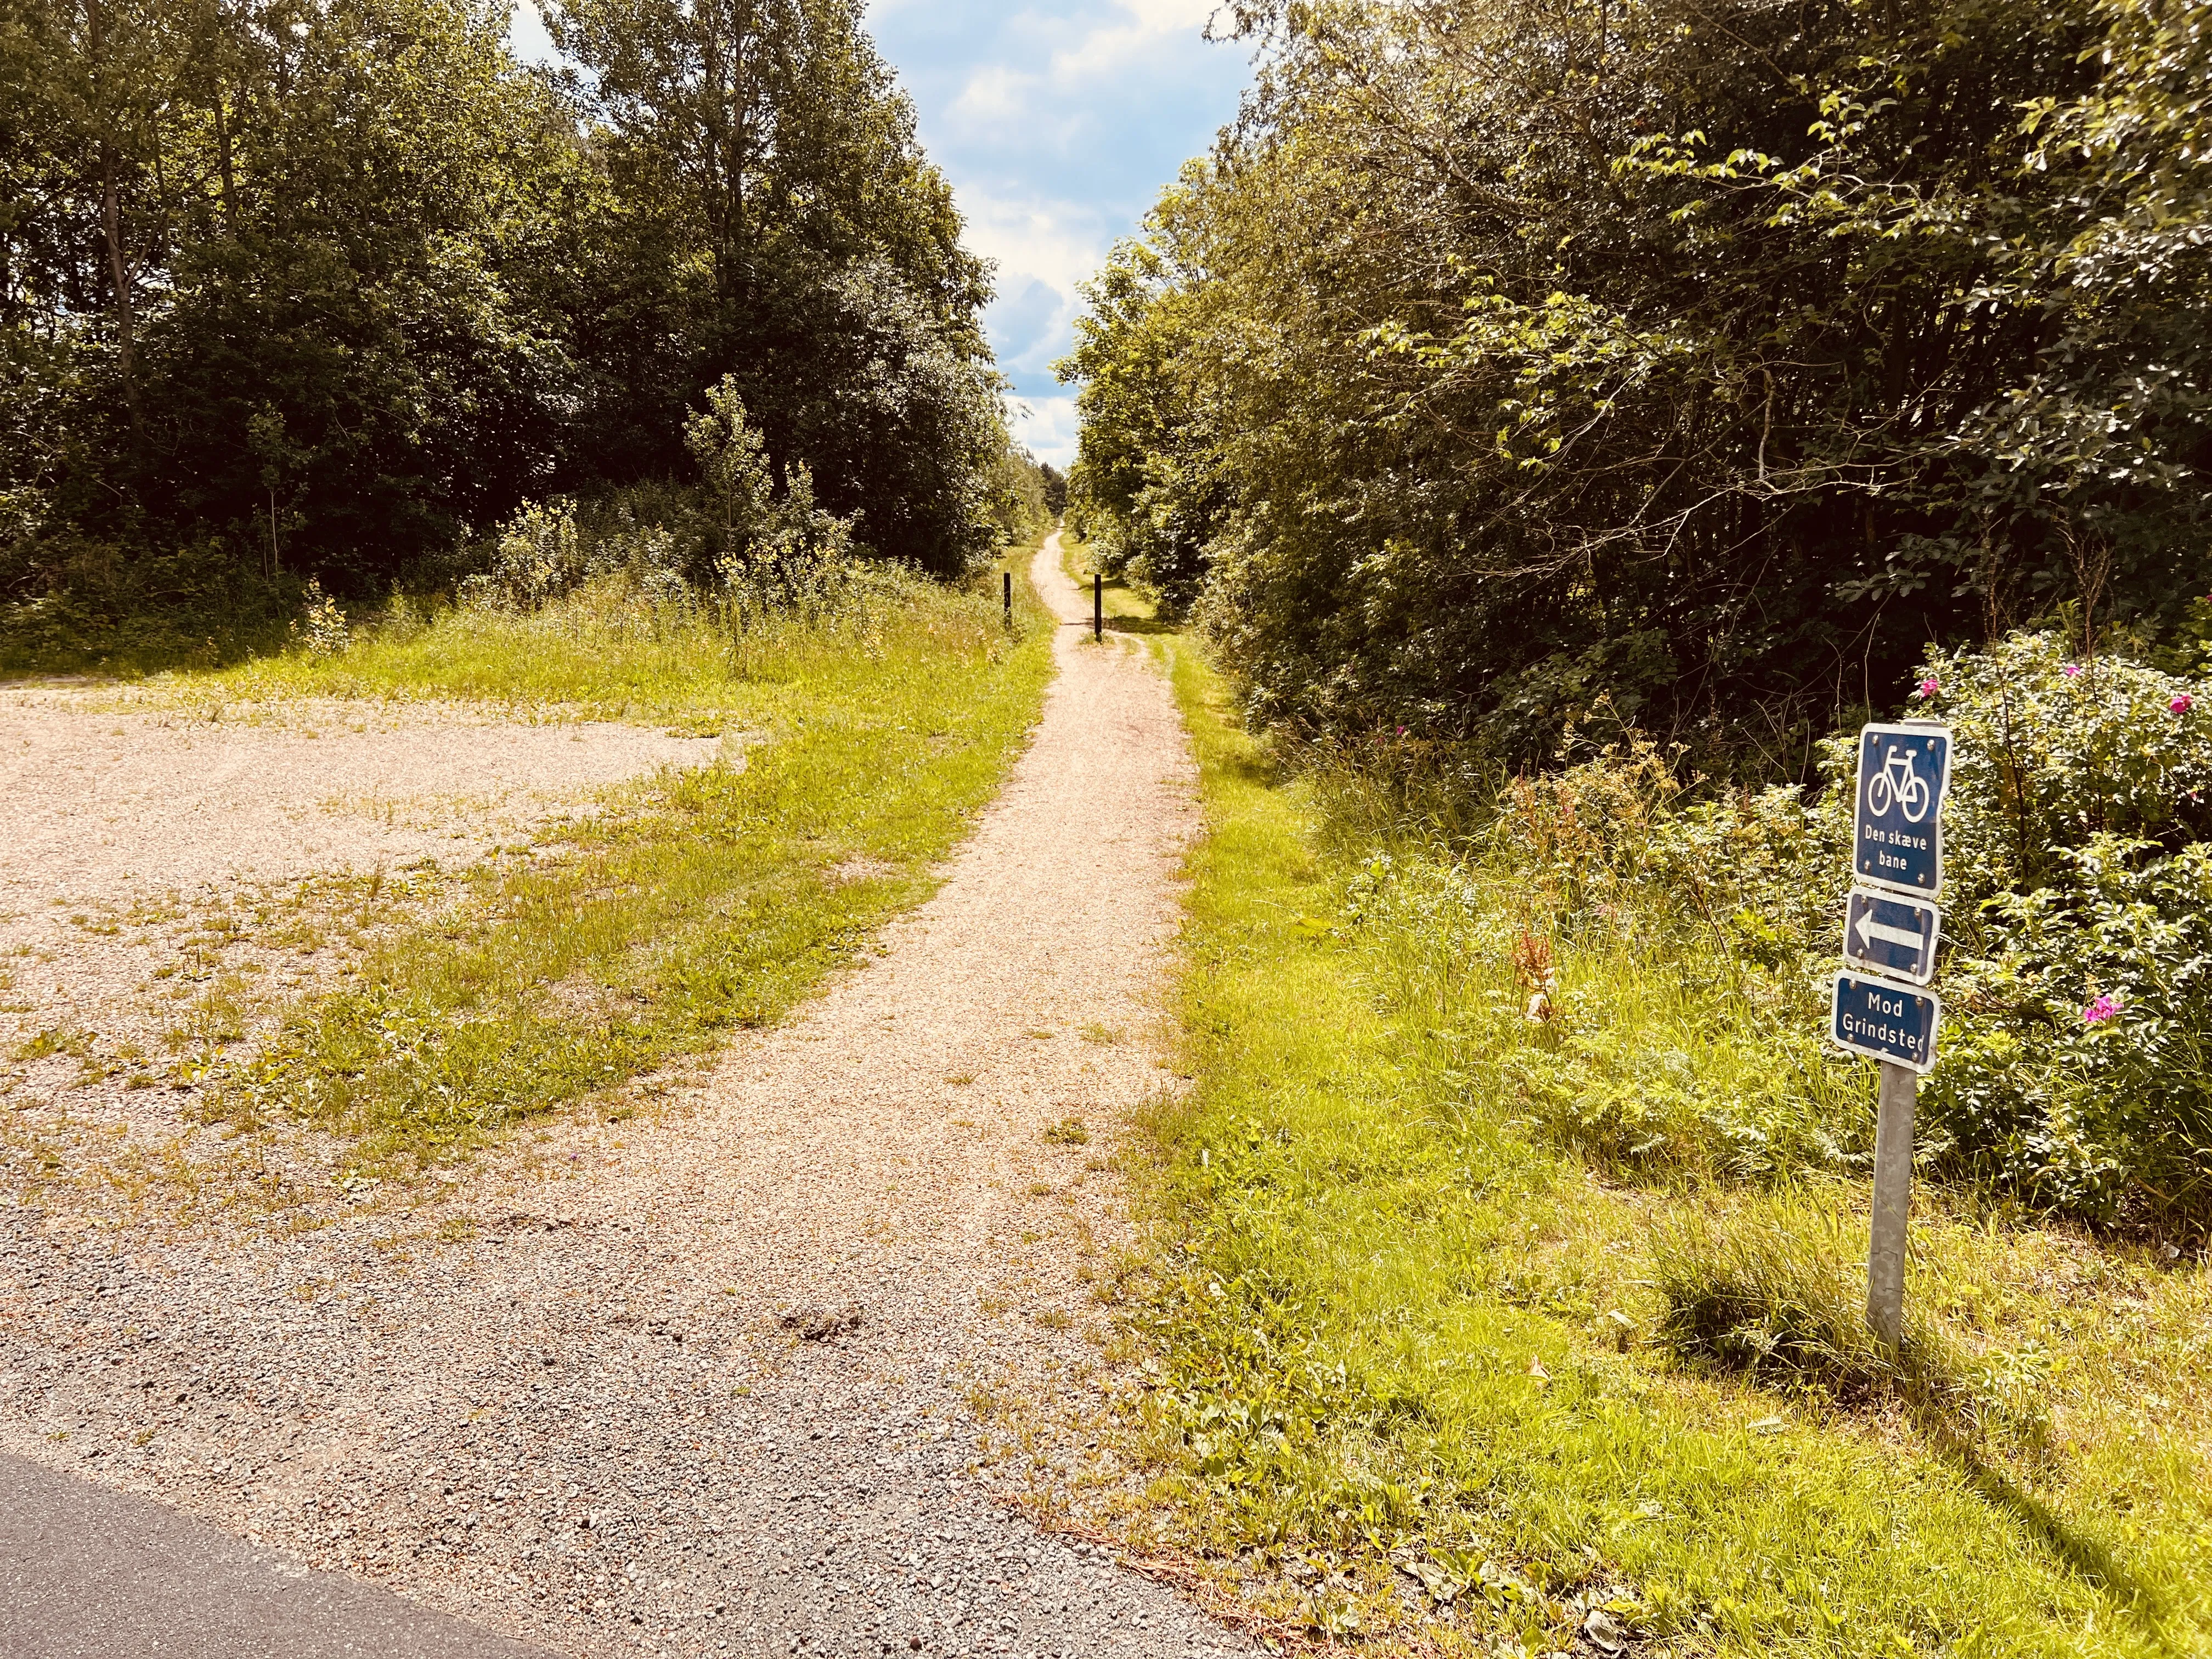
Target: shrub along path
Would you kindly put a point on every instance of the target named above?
(702, 1385)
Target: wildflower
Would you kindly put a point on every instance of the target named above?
(2072, 671)
(2182, 704)
(2105, 1007)
(1928, 688)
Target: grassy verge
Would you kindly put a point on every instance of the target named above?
(858, 748)
(1424, 1364)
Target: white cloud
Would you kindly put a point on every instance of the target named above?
(1056, 241)
(1057, 122)
(1047, 425)
(1054, 100)
(527, 37)
(1151, 24)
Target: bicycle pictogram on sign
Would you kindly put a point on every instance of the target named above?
(1898, 786)
(1903, 772)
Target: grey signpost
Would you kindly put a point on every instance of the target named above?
(1881, 1006)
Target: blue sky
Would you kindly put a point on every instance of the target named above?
(1057, 122)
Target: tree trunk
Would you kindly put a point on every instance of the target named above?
(110, 217)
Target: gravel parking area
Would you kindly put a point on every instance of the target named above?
(152, 845)
(707, 1381)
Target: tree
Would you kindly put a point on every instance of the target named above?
(775, 221)
(279, 270)
(1505, 358)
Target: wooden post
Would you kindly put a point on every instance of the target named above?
(1097, 608)
(1893, 1200)
(1008, 578)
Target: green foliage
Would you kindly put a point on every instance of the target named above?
(1507, 362)
(760, 529)
(2077, 1063)
(1403, 1374)
(2054, 750)
(1023, 504)
(2080, 834)
(1139, 491)
(325, 294)
(779, 224)
(1670, 943)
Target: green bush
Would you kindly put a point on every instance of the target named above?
(1646, 957)
(2075, 1070)
(2079, 854)
(2053, 752)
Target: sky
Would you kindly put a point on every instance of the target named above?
(1057, 122)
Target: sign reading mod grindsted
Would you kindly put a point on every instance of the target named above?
(1891, 927)
(1886, 1021)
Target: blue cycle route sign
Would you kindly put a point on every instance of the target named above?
(1885, 1020)
(1896, 840)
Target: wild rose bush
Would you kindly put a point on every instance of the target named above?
(2052, 752)
(2079, 991)
(2077, 977)
(2077, 1067)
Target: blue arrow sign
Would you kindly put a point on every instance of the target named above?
(1885, 1020)
(1896, 839)
(1892, 935)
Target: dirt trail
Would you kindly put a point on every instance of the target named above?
(584, 1423)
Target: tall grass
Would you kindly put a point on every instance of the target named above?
(1775, 1291)
(1425, 1354)
(862, 735)
(1630, 973)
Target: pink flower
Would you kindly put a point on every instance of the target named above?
(2105, 1007)
(2072, 671)
(2182, 704)
(1928, 688)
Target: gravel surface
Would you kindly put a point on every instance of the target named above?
(138, 833)
(580, 1405)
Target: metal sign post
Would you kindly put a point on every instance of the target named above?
(1881, 1008)
(1892, 1203)
(1098, 607)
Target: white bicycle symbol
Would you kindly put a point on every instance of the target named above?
(1897, 784)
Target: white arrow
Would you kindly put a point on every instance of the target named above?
(1869, 929)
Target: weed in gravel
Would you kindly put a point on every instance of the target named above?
(1068, 1132)
(72, 1041)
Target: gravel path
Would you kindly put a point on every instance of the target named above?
(583, 1406)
